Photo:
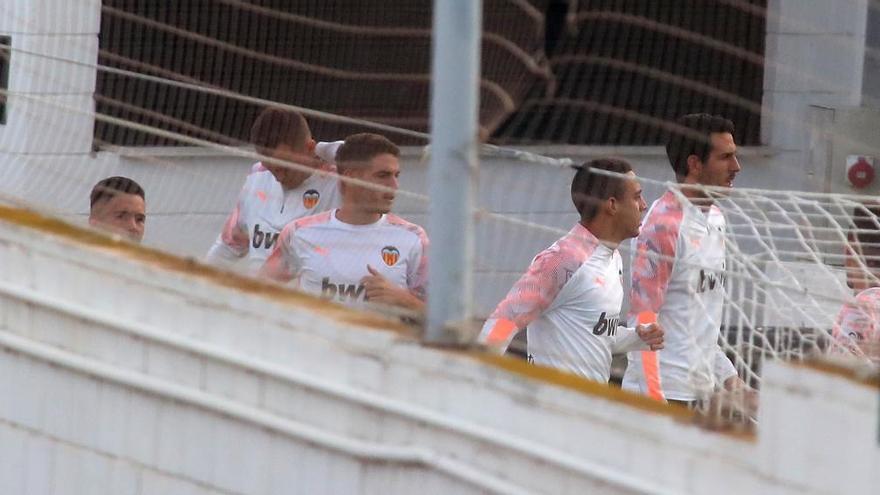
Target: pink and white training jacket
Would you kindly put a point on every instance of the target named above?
(678, 274)
(858, 324)
(569, 301)
(329, 258)
(264, 208)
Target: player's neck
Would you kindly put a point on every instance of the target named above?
(696, 194)
(355, 216)
(293, 185)
(604, 230)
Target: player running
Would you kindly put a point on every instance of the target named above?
(358, 252)
(275, 195)
(678, 269)
(570, 298)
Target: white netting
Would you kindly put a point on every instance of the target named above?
(177, 93)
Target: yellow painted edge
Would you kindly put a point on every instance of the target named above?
(573, 382)
(832, 368)
(37, 221)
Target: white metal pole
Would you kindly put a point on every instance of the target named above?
(452, 175)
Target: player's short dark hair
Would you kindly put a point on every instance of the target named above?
(276, 126)
(692, 136)
(865, 230)
(589, 187)
(359, 149)
(107, 189)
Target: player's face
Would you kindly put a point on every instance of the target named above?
(856, 276)
(383, 170)
(290, 177)
(721, 167)
(632, 205)
(123, 214)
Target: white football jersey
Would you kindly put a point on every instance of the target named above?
(329, 258)
(262, 210)
(569, 301)
(678, 274)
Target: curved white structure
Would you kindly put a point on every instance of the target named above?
(136, 372)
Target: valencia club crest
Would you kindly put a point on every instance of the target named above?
(390, 255)
(311, 198)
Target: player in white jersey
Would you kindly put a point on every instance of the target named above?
(678, 269)
(273, 194)
(857, 328)
(359, 252)
(570, 298)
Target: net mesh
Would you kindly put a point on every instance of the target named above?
(338, 57)
(179, 85)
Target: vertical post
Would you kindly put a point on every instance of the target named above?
(452, 173)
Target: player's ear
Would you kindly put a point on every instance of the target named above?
(611, 205)
(695, 165)
(311, 144)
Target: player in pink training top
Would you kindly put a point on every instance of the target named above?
(273, 194)
(360, 251)
(857, 328)
(570, 298)
(678, 269)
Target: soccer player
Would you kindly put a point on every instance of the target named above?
(358, 252)
(273, 194)
(678, 269)
(117, 204)
(857, 327)
(570, 298)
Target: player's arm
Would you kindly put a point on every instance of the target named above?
(641, 338)
(724, 371)
(326, 151)
(652, 265)
(233, 242)
(283, 264)
(381, 290)
(530, 296)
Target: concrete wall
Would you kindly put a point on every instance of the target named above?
(49, 38)
(136, 373)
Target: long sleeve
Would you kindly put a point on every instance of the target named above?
(528, 298)
(653, 264)
(626, 340)
(722, 367)
(326, 151)
(417, 268)
(233, 242)
(283, 263)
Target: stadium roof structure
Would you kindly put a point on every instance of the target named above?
(602, 73)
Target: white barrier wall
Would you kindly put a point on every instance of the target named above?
(135, 371)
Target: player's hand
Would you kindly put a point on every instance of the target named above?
(743, 395)
(652, 335)
(381, 290)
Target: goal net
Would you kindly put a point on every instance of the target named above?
(167, 93)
